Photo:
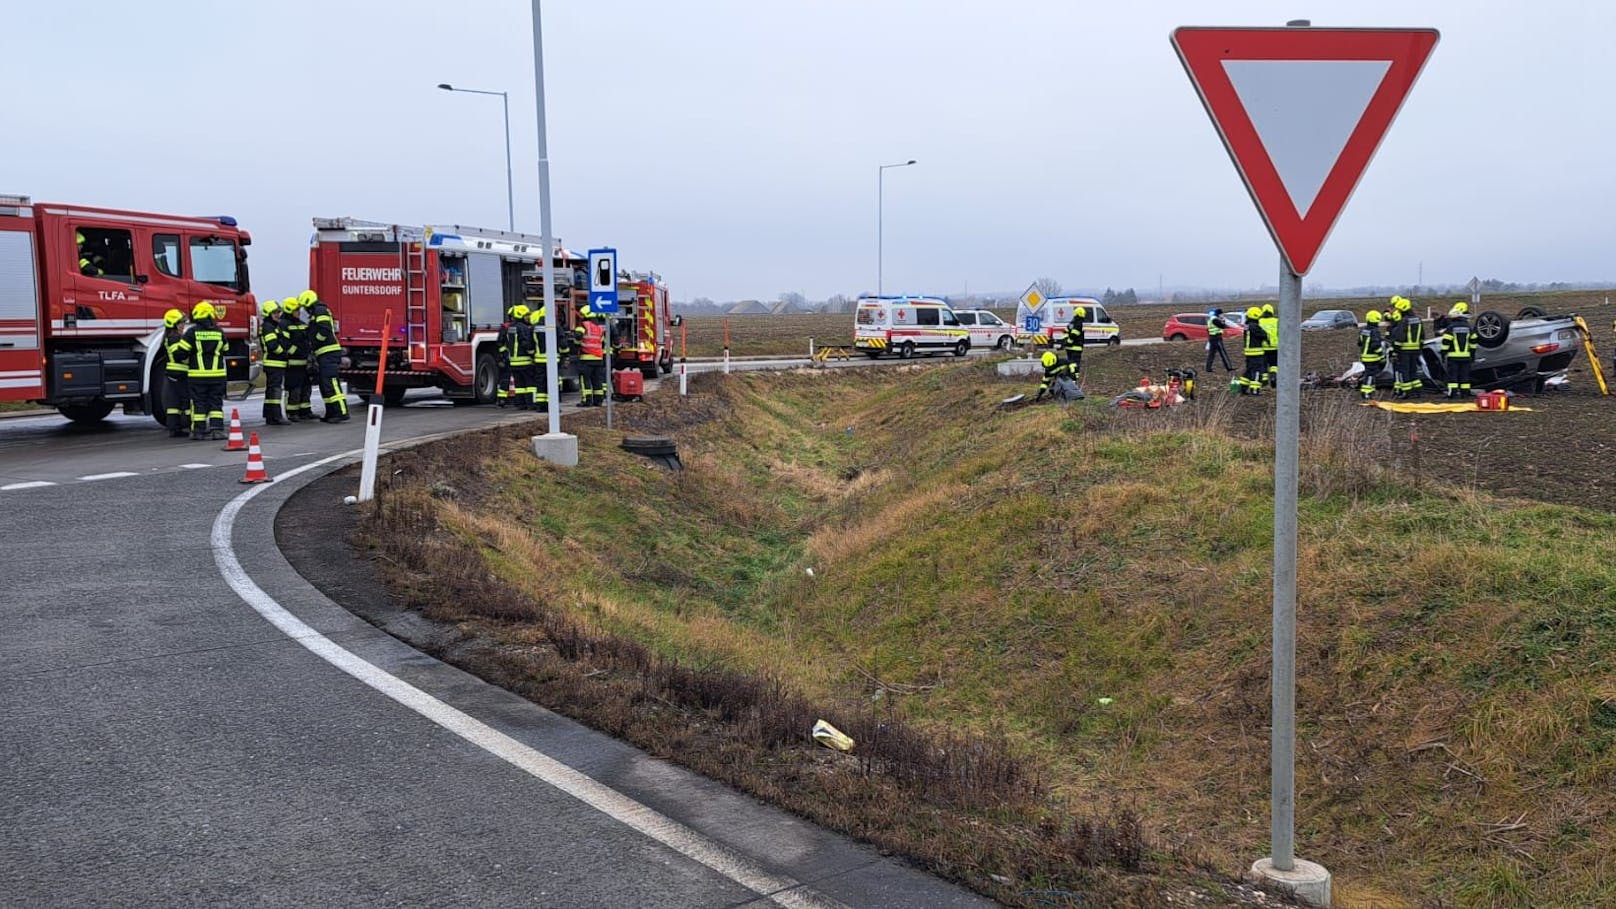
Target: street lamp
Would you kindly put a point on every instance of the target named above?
(880, 190)
(510, 194)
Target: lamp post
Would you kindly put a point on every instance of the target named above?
(880, 194)
(510, 194)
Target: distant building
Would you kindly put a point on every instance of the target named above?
(748, 308)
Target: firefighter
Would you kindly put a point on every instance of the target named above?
(294, 337)
(1251, 382)
(1215, 327)
(592, 340)
(519, 346)
(502, 354)
(1270, 327)
(203, 347)
(1371, 352)
(176, 388)
(1408, 337)
(1053, 370)
(541, 359)
(325, 352)
(1458, 344)
(89, 262)
(269, 340)
(1073, 342)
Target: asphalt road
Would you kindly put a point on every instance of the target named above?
(188, 722)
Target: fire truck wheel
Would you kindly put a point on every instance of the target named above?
(94, 412)
(485, 381)
(393, 397)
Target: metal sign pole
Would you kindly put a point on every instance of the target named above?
(547, 238)
(609, 390)
(1287, 427)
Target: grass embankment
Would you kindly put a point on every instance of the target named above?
(990, 579)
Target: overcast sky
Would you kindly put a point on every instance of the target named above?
(732, 146)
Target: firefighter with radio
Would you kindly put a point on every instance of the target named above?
(592, 341)
(269, 340)
(1215, 327)
(1371, 353)
(1073, 342)
(176, 372)
(1458, 346)
(1269, 320)
(325, 353)
(519, 353)
(502, 357)
(541, 358)
(1408, 338)
(294, 336)
(203, 349)
(1251, 381)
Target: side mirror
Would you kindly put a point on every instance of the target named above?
(678, 320)
(142, 279)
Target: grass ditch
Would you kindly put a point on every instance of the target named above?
(1047, 630)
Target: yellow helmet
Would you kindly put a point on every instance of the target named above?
(78, 237)
(1404, 304)
(585, 312)
(1254, 312)
(1372, 316)
(202, 310)
(270, 308)
(290, 304)
(1461, 307)
(1082, 312)
(173, 317)
(1392, 301)
(1268, 309)
(536, 315)
(519, 312)
(1048, 359)
(308, 298)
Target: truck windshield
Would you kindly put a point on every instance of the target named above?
(213, 261)
(868, 315)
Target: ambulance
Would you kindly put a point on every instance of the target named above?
(1045, 323)
(906, 326)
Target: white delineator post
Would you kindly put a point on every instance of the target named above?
(373, 443)
(555, 445)
(684, 388)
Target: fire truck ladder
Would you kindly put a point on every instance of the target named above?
(1593, 355)
(415, 303)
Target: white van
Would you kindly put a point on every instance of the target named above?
(1098, 328)
(986, 328)
(907, 326)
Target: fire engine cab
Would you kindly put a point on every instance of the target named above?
(448, 288)
(82, 297)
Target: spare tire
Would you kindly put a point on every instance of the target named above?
(1492, 329)
(1531, 312)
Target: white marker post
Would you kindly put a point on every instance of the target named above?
(1300, 111)
(373, 419)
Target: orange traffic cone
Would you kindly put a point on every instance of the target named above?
(255, 464)
(236, 441)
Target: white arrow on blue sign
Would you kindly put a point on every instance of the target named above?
(603, 280)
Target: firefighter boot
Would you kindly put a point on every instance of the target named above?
(176, 426)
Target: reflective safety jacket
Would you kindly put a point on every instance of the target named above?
(1412, 336)
(1458, 342)
(1074, 334)
(591, 340)
(1256, 338)
(294, 342)
(519, 344)
(541, 354)
(271, 342)
(1270, 327)
(203, 347)
(1371, 347)
(1214, 326)
(322, 331)
(178, 356)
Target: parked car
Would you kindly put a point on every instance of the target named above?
(1328, 319)
(986, 328)
(1191, 326)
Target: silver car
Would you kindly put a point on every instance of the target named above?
(1523, 352)
(1326, 319)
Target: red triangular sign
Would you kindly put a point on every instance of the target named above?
(1301, 111)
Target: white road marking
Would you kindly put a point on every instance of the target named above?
(194, 466)
(778, 889)
(31, 484)
(109, 476)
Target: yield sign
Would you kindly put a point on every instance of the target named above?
(1301, 111)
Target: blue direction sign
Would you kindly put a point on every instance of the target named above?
(603, 280)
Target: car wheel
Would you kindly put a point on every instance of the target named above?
(1178, 336)
(962, 348)
(906, 350)
(1004, 342)
(1531, 312)
(1492, 329)
(93, 412)
(1116, 341)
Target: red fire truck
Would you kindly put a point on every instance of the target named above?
(642, 329)
(448, 288)
(82, 297)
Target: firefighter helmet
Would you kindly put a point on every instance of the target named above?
(202, 310)
(173, 317)
(1048, 359)
(1254, 312)
(535, 316)
(270, 308)
(519, 312)
(1268, 309)
(1404, 304)
(1371, 317)
(585, 312)
(1082, 312)
(290, 304)
(78, 237)
(308, 298)
(1461, 307)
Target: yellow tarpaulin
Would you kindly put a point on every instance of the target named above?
(1467, 407)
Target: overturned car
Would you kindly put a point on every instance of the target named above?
(1522, 353)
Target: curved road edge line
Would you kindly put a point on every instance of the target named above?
(780, 890)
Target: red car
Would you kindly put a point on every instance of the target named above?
(1186, 326)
